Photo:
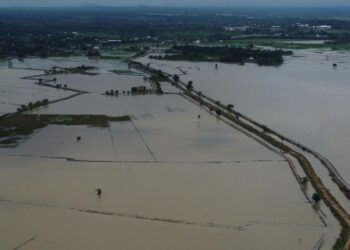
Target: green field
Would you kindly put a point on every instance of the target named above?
(18, 126)
(282, 44)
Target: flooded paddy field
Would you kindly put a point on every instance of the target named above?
(102, 82)
(162, 125)
(66, 62)
(306, 98)
(187, 204)
(169, 180)
(15, 91)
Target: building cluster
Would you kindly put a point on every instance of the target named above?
(313, 27)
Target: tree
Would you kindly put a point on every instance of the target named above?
(176, 78)
(304, 180)
(93, 53)
(160, 73)
(189, 85)
(229, 107)
(316, 197)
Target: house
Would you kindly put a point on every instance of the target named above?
(322, 27)
(139, 90)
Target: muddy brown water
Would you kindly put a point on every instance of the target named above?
(169, 181)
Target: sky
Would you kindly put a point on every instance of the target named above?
(5, 3)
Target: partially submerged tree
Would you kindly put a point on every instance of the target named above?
(176, 78)
(189, 85)
(230, 107)
(316, 197)
(304, 180)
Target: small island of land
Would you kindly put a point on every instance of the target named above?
(225, 54)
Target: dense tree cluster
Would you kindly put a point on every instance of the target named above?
(32, 105)
(225, 54)
(68, 31)
(43, 45)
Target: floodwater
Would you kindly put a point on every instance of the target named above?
(170, 180)
(166, 124)
(15, 91)
(154, 206)
(305, 98)
(102, 82)
(39, 63)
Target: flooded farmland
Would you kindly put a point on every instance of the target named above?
(15, 91)
(173, 177)
(306, 98)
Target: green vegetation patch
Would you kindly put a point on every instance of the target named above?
(126, 72)
(84, 70)
(18, 126)
(225, 54)
(282, 44)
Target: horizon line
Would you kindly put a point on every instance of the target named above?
(181, 6)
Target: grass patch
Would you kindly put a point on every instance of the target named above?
(126, 72)
(111, 57)
(84, 70)
(282, 44)
(18, 126)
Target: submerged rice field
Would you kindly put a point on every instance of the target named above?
(173, 176)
